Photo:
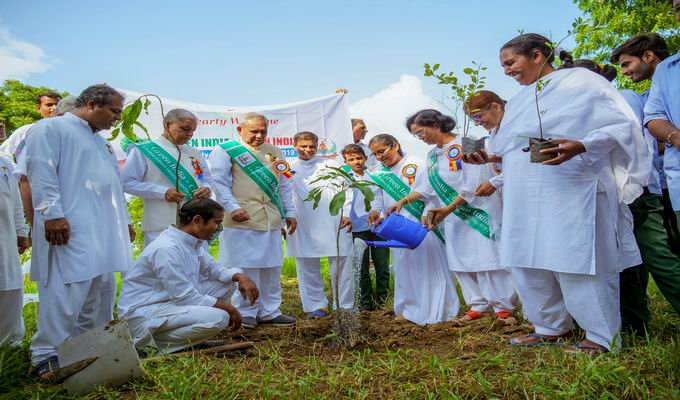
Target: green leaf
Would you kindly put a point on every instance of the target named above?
(337, 202)
(368, 196)
(114, 134)
(435, 67)
(468, 71)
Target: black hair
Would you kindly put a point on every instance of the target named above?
(305, 135)
(100, 94)
(353, 149)
(526, 43)
(49, 93)
(431, 118)
(638, 45)
(387, 140)
(608, 71)
(203, 207)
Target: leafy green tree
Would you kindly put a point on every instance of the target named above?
(17, 103)
(611, 22)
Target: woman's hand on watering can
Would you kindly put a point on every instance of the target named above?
(373, 218)
(396, 207)
(436, 215)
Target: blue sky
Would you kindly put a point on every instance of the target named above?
(241, 53)
(268, 52)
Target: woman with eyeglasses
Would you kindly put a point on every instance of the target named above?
(472, 231)
(424, 291)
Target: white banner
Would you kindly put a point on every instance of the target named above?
(328, 117)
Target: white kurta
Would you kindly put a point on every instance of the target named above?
(317, 228)
(170, 281)
(142, 178)
(552, 223)
(424, 292)
(315, 237)
(12, 224)
(9, 147)
(74, 175)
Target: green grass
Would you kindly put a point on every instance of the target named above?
(458, 363)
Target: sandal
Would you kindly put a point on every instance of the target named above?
(472, 315)
(541, 340)
(590, 348)
(506, 317)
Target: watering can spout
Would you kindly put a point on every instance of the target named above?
(387, 243)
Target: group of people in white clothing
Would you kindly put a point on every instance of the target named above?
(553, 239)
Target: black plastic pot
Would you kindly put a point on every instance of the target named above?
(471, 145)
(535, 147)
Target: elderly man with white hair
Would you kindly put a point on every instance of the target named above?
(151, 172)
(251, 181)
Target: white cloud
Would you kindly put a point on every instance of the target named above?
(19, 59)
(387, 110)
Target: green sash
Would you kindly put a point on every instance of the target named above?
(397, 190)
(167, 164)
(258, 172)
(477, 219)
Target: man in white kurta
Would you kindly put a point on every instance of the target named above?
(176, 295)
(149, 179)
(316, 233)
(81, 231)
(13, 240)
(251, 239)
(567, 231)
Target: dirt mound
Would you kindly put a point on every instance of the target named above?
(381, 332)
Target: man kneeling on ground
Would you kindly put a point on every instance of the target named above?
(176, 295)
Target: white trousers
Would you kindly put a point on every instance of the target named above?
(488, 289)
(268, 305)
(551, 299)
(108, 299)
(169, 327)
(311, 286)
(11, 321)
(66, 310)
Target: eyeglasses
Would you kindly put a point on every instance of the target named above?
(381, 153)
(419, 134)
(477, 118)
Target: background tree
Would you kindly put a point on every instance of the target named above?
(17, 103)
(618, 20)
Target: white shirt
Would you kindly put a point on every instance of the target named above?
(74, 175)
(316, 231)
(170, 269)
(9, 146)
(12, 225)
(152, 185)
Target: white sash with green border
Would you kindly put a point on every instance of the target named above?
(390, 183)
(477, 219)
(167, 164)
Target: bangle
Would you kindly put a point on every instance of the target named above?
(670, 136)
